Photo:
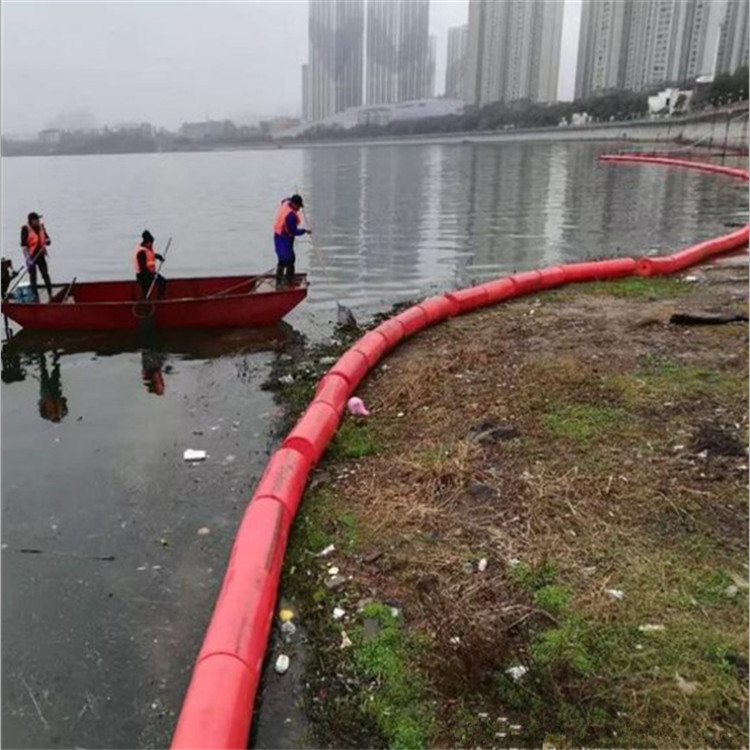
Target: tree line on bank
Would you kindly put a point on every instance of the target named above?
(610, 106)
(617, 106)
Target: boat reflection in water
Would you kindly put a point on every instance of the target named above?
(26, 355)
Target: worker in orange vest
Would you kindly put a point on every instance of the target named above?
(145, 266)
(34, 242)
(285, 229)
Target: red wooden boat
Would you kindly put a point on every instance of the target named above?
(216, 302)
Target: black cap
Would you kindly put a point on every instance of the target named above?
(147, 236)
(33, 216)
(296, 200)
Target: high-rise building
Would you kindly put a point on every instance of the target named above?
(642, 44)
(601, 54)
(336, 38)
(413, 53)
(382, 51)
(398, 51)
(733, 37)
(306, 113)
(456, 62)
(431, 64)
(513, 51)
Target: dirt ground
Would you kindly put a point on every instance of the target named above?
(550, 500)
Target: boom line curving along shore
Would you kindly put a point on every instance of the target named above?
(218, 706)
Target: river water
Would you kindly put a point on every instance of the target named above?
(107, 584)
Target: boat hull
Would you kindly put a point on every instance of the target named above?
(190, 303)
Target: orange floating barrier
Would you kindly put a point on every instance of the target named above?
(311, 434)
(438, 308)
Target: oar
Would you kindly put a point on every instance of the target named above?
(161, 263)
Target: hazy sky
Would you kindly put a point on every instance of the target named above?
(71, 64)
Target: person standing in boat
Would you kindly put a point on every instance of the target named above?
(34, 241)
(285, 229)
(145, 266)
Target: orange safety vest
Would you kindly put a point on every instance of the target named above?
(279, 224)
(36, 239)
(150, 259)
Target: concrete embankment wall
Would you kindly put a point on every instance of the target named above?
(217, 710)
(709, 130)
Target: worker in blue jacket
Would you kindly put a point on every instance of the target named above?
(285, 228)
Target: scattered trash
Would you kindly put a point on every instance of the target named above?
(204, 531)
(691, 279)
(483, 716)
(285, 615)
(356, 406)
(684, 685)
(327, 360)
(335, 582)
(639, 647)
(678, 448)
(651, 628)
(286, 379)
(515, 727)
(194, 455)
(400, 414)
(333, 570)
(282, 664)
(731, 591)
(616, 594)
(143, 567)
(455, 641)
(517, 672)
(395, 612)
(482, 565)
(326, 551)
(702, 454)
(345, 641)
(338, 613)
(514, 562)
(288, 628)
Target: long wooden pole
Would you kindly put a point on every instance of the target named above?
(156, 275)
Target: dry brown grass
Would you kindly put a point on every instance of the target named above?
(595, 490)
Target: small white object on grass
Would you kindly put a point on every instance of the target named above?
(204, 531)
(345, 640)
(282, 664)
(333, 571)
(482, 565)
(338, 613)
(648, 628)
(517, 672)
(194, 455)
(616, 594)
(326, 551)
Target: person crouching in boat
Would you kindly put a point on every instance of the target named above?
(8, 272)
(145, 266)
(34, 241)
(285, 229)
